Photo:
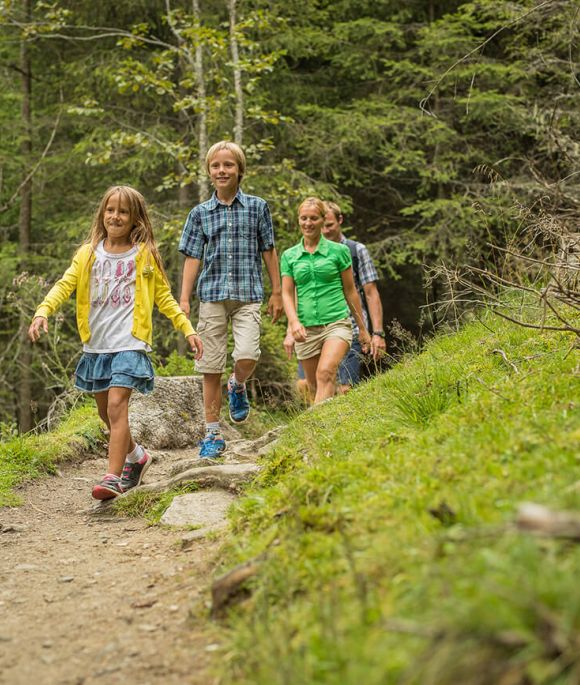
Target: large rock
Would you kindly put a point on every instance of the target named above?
(205, 509)
(171, 416)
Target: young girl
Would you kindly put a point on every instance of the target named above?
(317, 275)
(118, 276)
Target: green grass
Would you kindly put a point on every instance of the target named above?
(150, 505)
(362, 583)
(32, 456)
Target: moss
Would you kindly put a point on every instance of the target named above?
(365, 580)
(31, 456)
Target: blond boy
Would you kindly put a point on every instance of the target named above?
(227, 237)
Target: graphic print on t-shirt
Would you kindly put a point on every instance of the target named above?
(112, 289)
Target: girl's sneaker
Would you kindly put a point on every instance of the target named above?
(212, 446)
(109, 487)
(133, 473)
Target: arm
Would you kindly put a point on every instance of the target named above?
(270, 258)
(295, 328)
(353, 302)
(189, 277)
(375, 307)
(57, 295)
(289, 339)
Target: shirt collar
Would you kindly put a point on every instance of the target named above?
(240, 196)
(322, 246)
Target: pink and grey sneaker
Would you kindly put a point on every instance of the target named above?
(133, 473)
(109, 487)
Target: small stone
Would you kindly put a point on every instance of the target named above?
(66, 579)
(26, 567)
(213, 647)
(147, 628)
(47, 644)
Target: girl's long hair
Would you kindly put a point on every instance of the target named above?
(142, 231)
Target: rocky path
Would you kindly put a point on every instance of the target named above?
(90, 597)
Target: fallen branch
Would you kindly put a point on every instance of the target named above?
(535, 518)
(503, 355)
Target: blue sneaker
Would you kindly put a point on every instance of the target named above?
(239, 405)
(212, 446)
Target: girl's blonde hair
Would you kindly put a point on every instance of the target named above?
(236, 151)
(316, 202)
(142, 229)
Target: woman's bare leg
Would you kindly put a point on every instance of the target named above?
(331, 355)
(310, 366)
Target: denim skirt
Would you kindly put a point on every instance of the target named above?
(97, 372)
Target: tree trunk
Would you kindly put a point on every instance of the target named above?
(239, 113)
(202, 142)
(24, 226)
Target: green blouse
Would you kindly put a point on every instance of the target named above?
(318, 281)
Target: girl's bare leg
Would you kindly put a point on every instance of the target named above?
(310, 367)
(331, 355)
(120, 441)
(102, 399)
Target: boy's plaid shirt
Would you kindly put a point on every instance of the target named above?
(230, 241)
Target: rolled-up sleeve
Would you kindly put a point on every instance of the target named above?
(265, 230)
(192, 240)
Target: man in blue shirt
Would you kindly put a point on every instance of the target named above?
(230, 233)
(365, 278)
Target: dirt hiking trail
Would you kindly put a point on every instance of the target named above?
(89, 598)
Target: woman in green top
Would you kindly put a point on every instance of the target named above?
(318, 292)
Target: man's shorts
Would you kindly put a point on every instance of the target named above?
(212, 328)
(349, 369)
(316, 336)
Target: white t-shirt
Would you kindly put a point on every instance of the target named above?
(112, 302)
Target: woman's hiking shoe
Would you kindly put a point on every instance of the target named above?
(108, 488)
(212, 446)
(238, 398)
(133, 472)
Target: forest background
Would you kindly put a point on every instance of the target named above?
(441, 127)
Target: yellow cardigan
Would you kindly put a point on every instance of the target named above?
(150, 288)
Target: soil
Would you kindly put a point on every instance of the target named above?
(88, 598)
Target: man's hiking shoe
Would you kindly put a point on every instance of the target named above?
(109, 487)
(133, 473)
(212, 446)
(238, 398)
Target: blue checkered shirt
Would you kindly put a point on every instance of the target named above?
(366, 273)
(230, 240)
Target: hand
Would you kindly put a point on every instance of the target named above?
(275, 307)
(378, 347)
(289, 344)
(185, 306)
(297, 331)
(196, 345)
(38, 323)
(365, 340)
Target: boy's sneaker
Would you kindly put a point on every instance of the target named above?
(133, 472)
(109, 487)
(212, 446)
(239, 404)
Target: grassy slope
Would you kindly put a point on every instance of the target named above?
(32, 456)
(362, 584)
